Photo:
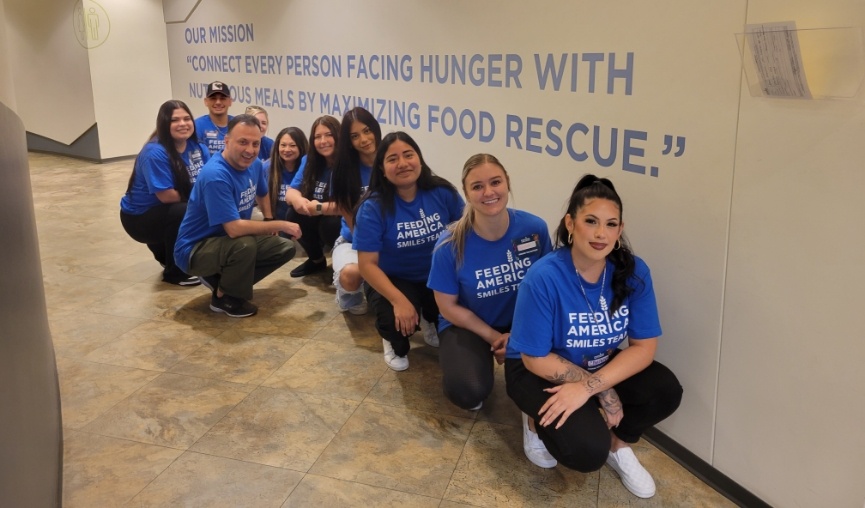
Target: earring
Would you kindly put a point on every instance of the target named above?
(570, 238)
(618, 244)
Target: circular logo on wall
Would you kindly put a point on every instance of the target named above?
(90, 23)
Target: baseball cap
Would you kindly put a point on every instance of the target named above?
(218, 87)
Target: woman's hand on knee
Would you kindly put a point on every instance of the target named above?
(405, 317)
(566, 399)
(499, 347)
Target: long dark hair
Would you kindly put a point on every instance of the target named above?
(316, 164)
(162, 135)
(277, 166)
(592, 187)
(381, 189)
(345, 182)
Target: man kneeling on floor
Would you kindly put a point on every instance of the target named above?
(217, 240)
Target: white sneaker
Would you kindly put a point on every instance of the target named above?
(397, 363)
(534, 447)
(430, 334)
(346, 302)
(634, 476)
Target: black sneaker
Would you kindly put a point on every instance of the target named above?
(309, 267)
(232, 306)
(189, 280)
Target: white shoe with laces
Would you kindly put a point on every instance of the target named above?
(634, 476)
(535, 449)
(430, 334)
(397, 363)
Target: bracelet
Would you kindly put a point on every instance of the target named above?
(268, 219)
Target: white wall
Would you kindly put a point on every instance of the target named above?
(50, 70)
(792, 387)
(130, 75)
(63, 87)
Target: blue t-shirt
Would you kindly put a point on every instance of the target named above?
(491, 272)
(322, 185)
(281, 202)
(209, 134)
(365, 172)
(404, 238)
(552, 315)
(153, 174)
(265, 148)
(221, 194)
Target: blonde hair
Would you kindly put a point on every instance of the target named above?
(460, 229)
(254, 110)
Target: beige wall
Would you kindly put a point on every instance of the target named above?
(791, 387)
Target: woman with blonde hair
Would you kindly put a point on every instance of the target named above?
(477, 266)
(266, 143)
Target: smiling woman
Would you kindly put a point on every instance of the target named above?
(584, 398)
(160, 184)
(396, 226)
(310, 196)
(477, 267)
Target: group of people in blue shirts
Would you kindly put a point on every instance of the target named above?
(576, 327)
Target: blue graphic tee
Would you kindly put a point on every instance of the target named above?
(491, 272)
(553, 315)
(221, 194)
(404, 238)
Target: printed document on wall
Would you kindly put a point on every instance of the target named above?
(778, 59)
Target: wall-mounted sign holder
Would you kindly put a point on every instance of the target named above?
(781, 61)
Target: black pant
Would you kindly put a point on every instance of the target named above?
(583, 442)
(157, 228)
(467, 366)
(418, 294)
(318, 232)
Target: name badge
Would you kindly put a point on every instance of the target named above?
(527, 245)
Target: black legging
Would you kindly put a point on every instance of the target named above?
(157, 228)
(583, 441)
(317, 231)
(467, 366)
(418, 294)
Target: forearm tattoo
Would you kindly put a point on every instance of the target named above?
(610, 401)
(569, 373)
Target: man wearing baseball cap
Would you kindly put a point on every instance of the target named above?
(212, 127)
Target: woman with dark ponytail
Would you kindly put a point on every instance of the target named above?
(585, 400)
(160, 184)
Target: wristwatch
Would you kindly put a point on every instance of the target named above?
(318, 209)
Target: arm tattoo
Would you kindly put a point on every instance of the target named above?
(610, 401)
(571, 374)
(593, 383)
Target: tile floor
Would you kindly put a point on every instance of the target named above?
(168, 404)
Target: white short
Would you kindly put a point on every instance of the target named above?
(341, 256)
